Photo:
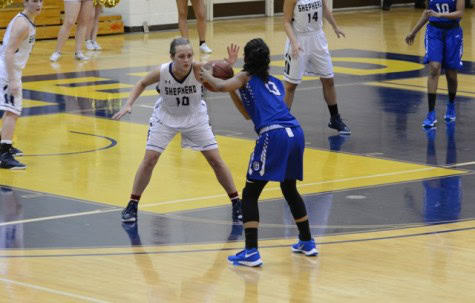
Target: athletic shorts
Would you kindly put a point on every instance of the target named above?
(444, 46)
(199, 137)
(314, 60)
(8, 102)
(278, 155)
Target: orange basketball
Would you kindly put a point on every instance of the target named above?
(221, 70)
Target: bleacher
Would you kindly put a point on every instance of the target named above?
(49, 21)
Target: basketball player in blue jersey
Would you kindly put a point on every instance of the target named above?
(444, 48)
(278, 154)
(15, 51)
(179, 109)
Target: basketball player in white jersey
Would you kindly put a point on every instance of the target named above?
(306, 52)
(180, 109)
(14, 53)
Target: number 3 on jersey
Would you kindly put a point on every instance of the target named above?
(315, 17)
(185, 101)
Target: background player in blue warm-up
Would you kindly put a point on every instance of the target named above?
(444, 48)
(278, 154)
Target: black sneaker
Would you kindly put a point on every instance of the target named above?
(129, 214)
(7, 161)
(16, 152)
(339, 125)
(237, 211)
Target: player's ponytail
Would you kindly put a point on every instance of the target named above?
(256, 58)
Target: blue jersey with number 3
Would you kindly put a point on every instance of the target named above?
(264, 102)
(443, 6)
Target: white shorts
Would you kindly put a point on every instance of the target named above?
(314, 60)
(9, 102)
(199, 137)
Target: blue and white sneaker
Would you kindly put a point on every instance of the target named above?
(450, 112)
(309, 248)
(246, 257)
(430, 120)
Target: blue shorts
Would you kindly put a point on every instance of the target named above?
(278, 155)
(444, 46)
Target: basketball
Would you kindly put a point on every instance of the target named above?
(221, 70)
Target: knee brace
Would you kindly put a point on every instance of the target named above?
(250, 195)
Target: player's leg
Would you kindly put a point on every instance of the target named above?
(292, 146)
(434, 57)
(182, 7)
(452, 84)
(159, 136)
(199, 9)
(306, 244)
(84, 16)
(201, 138)
(293, 72)
(250, 255)
(320, 64)
(329, 94)
(453, 52)
(71, 12)
(12, 107)
(225, 178)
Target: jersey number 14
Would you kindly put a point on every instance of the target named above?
(315, 17)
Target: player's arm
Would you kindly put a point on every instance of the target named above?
(18, 34)
(289, 6)
(238, 103)
(233, 50)
(423, 20)
(232, 84)
(327, 14)
(458, 14)
(151, 78)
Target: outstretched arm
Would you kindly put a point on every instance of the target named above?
(152, 77)
(229, 85)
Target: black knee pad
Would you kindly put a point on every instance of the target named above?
(250, 195)
(293, 198)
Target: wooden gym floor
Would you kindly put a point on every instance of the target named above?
(391, 206)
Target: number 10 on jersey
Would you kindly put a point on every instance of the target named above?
(184, 101)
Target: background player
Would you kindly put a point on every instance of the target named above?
(14, 54)
(444, 48)
(306, 52)
(180, 109)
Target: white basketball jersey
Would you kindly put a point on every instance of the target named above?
(308, 16)
(23, 53)
(180, 103)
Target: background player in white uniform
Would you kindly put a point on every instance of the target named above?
(306, 52)
(180, 109)
(14, 53)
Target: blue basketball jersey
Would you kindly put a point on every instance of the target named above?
(443, 6)
(264, 102)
